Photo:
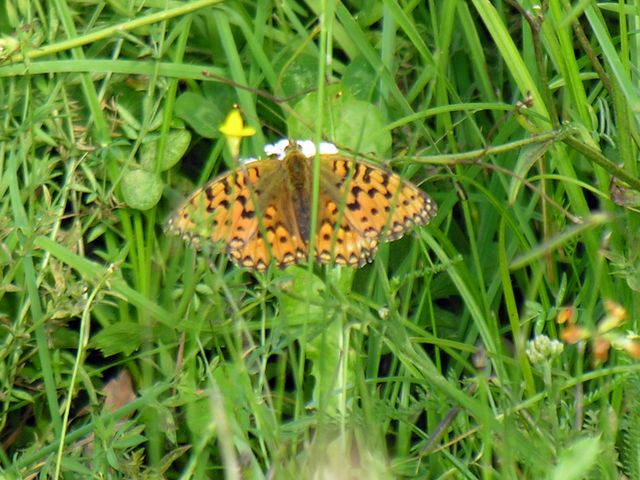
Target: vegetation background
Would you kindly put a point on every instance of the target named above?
(498, 342)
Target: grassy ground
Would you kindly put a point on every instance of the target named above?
(498, 342)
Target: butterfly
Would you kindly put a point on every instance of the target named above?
(261, 211)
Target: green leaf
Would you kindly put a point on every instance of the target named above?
(299, 76)
(174, 149)
(302, 307)
(578, 459)
(199, 415)
(222, 95)
(348, 122)
(200, 114)
(121, 337)
(361, 79)
(72, 464)
(141, 189)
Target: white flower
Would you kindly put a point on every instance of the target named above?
(307, 147)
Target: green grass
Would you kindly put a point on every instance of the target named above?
(416, 366)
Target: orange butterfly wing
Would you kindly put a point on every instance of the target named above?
(277, 237)
(361, 205)
(251, 211)
(224, 211)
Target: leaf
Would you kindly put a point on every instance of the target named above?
(300, 75)
(578, 459)
(198, 415)
(141, 189)
(301, 306)
(361, 79)
(200, 114)
(349, 123)
(121, 337)
(222, 95)
(175, 147)
(527, 158)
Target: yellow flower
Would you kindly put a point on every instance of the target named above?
(234, 130)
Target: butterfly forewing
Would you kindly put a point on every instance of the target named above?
(214, 212)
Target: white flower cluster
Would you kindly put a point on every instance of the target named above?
(307, 147)
(542, 348)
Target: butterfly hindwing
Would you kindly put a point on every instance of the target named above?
(339, 240)
(276, 237)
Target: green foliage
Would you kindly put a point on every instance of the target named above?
(140, 189)
(353, 124)
(498, 342)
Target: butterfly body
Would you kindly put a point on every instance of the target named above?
(262, 211)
